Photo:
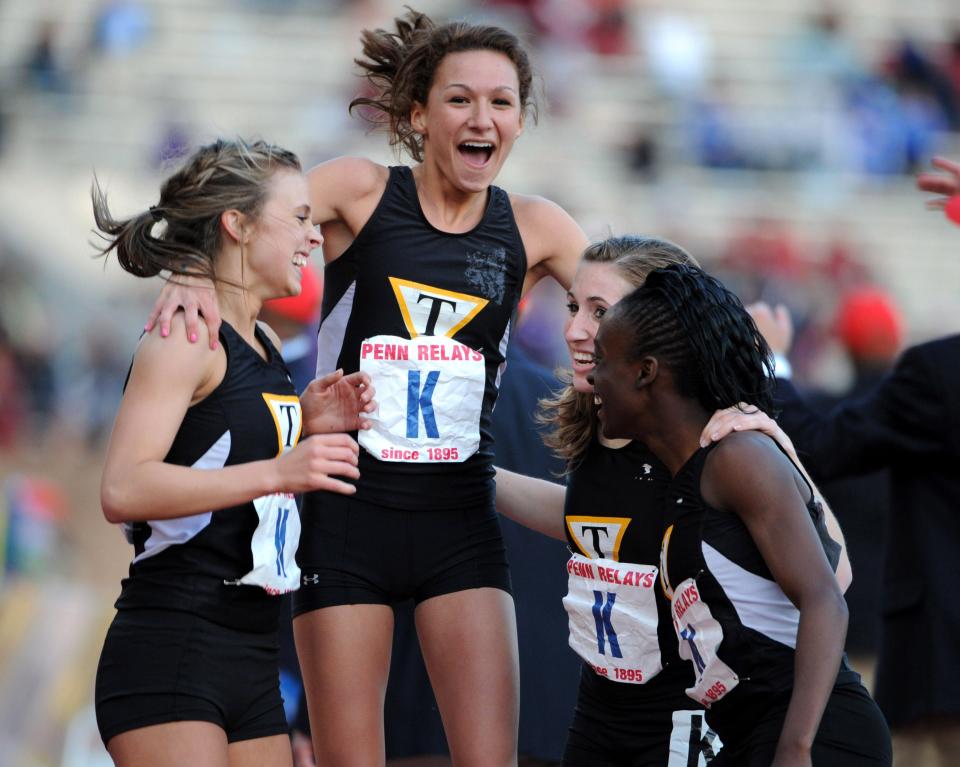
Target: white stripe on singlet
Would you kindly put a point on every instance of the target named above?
(504, 343)
(332, 332)
(760, 603)
(170, 532)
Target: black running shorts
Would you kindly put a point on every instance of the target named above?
(354, 552)
(160, 666)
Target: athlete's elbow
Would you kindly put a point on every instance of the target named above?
(115, 500)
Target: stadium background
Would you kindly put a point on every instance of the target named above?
(776, 139)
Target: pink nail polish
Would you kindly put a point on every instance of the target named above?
(193, 338)
(164, 332)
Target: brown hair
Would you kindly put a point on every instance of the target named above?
(400, 66)
(225, 175)
(570, 414)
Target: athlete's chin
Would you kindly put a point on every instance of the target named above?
(580, 383)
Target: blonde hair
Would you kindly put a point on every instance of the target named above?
(224, 175)
(569, 414)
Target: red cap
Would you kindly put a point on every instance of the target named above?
(869, 324)
(952, 209)
(301, 308)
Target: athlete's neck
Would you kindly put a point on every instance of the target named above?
(614, 444)
(446, 207)
(240, 309)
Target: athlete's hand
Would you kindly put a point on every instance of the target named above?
(337, 402)
(316, 460)
(776, 325)
(197, 297)
(946, 184)
(744, 417)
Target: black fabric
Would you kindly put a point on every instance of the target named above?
(850, 711)
(368, 554)
(765, 666)
(160, 666)
(629, 724)
(196, 575)
(487, 262)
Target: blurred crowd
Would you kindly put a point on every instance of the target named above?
(875, 116)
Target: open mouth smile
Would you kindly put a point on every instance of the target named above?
(476, 153)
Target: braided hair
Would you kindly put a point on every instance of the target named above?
(400, 67)
(181, 234)
(703, 333)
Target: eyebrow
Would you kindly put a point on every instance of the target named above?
(468, 88)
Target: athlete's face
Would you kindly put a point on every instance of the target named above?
(471, 118)
(613, 378)
(595, 288)
(282, 237)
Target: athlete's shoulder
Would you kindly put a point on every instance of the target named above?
(538, 212)
(358, 175)
(175, 359)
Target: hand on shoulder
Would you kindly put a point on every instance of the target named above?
(178, 362)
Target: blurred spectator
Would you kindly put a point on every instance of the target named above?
(42, 67)
(677, 50)
(11, 394)
(917, 75)
(121, 27)
(821, 56)
(32, 510)
(870, 328)
(608, 33)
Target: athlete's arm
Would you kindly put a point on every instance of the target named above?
(773, 510)
(344, 192)
(553, 241)
(531, 502)
(750, 418)
(166, 378)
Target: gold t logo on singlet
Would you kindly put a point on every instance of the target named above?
(598, 537)
(285, 410)
(430, 311)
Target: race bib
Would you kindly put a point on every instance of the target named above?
(700, 635)
(274, 545)
(274, 542)
(429, 393)
(613, 617)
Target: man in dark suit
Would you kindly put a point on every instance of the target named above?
(909, 424)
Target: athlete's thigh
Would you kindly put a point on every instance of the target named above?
(272, 751)
(170, 745)
(344, 654)
(469, 642)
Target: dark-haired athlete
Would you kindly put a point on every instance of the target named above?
(745, 559)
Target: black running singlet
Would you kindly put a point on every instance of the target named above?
(614, 520)
(428, 314)
(735, 625)
(222, 563)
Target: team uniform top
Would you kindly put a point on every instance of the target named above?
(613, 517)
(733, 622)
(428, 314)
(222, 563)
